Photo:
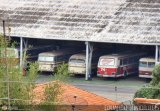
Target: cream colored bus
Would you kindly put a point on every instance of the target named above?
(77, 63)
(48, 61)
(146, 66)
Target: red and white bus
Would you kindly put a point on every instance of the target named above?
(118, 65)
(146, 66)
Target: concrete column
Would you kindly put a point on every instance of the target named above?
(157, 55)
(87, 58)
(89, 50)
(90, 60)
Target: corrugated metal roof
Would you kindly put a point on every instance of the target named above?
(122, 21)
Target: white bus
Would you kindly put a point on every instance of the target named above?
(48, 61)
(146, 66)
(118, 65)
(77, 63)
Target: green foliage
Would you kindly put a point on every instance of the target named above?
(52, 91)
(14, 87)
(32, 72)
(18, 89)
(148, 92)
(156, 76)
(31, 76)
(151, 91)
(14, 44)
(62, 73)
(3, 42)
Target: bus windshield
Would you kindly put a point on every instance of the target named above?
(45, 58)
(77, 60)
(107, 62)
(151, 64)
(143, 64)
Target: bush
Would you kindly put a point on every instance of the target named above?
(15, 88)
(150, 93)
(62, 73)
(153, 90)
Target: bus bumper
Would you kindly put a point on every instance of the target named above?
(45, 69)
(77, 73)
(145, 76)
(113, 76)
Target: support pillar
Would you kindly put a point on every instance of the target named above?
(87, 57)
(89, 50)
(157, 55)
